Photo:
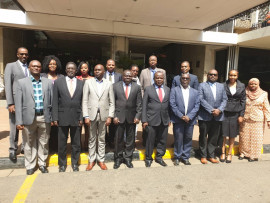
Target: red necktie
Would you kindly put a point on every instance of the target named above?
(127, 91)
(160, 94)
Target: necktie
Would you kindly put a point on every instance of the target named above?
(127, 91)
(110, 77)
(160, 94)
(153, 71)
(71, 90)
(25, 70)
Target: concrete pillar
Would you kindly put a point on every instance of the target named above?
(120, 46)
(1, 64)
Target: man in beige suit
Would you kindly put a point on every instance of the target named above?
(98, 111)
(147, 74)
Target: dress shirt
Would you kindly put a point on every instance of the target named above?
(153, 71)
(23, 67)
(136, 80)
(99, 86)
(185, 93)
(162, 90)
(129, 88)
(108, 76)
(74, 83)
(37, 87)
(213, 87)
(232, 89)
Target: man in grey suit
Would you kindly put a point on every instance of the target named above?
(113, 77)
(128, 109)
(98, 111)
(213, 100)
(33, 116)
(155, 118)
(185, 68)
(13, 72)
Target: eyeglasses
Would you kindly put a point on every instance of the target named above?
(212, 74)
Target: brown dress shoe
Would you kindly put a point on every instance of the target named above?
(102, 165)
(214, 161)
(90, 166)
(203, 161)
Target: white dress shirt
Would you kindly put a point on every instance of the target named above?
(108, 76)
(185, 93)
(23, 68)
(162, 90)
(125, 87)
(233, 90)
(74, 83)
(213, 87)
(99, 86)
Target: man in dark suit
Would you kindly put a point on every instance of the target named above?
(213, 100)
(33, 116)
(13, 72)
(185, 68)
(113, 77)
(128, 108)
(67, 115)
(155, 118)
(185, 104)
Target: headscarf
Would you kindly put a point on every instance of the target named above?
(252, 95)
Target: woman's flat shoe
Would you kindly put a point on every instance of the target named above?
(220, 159)
(252, 160)
(240, 158)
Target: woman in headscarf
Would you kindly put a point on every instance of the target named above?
(256, 113)
(233, 112)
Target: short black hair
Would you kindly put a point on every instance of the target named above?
(72, 64)
(46, 62)
(80, 65)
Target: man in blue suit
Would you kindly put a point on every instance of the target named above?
(185, 67)
(185, 104)
(213, 100)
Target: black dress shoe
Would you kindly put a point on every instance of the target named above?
(30, 171)
(13, 157)
(75, 168)
(161, 162)
(117, 164)
(241, 158)
(176, 162)
(148, 163)
(62, 168)
(129, 164)
(252, 160)
(43, 169)
(186, 162)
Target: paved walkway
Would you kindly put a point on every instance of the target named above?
(4, 135)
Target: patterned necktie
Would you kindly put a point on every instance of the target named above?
(127, 91)
(153, 71)
(160, 94)
(25, 70)
(110, 77)
(71, 90)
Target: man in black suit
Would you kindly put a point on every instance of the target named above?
(113, 77)
(67, 114)
(185, 68)
(128, 108)
(155, 118)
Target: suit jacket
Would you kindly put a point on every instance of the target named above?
(92, 101)
(145, 78)
(67, 110)
(208, 103)
(25, 103)
(236, 102)
(194, 83)
(178, 105)
(117, 76)
(153, 111)
(127, 109)
(13, 72)
(45, 75)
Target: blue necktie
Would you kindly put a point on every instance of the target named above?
(153, 71)
(25, 70)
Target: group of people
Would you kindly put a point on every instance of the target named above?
(48, 107)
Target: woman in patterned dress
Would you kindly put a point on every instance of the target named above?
(256, 113)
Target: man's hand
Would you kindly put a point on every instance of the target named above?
(80, 123)
(170, 124)
(186, 119)
(268, 124)
(240, 119)
(144, 125)
(52, 124)
(136, 121)
(116, 121)
(108, 121)
(215, 112)
(55, 123)
(20, 127)
(87, 121)
(11, 108)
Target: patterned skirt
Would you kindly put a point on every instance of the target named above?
(251, 139)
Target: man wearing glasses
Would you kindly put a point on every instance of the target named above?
(213, 100)
(13, 72)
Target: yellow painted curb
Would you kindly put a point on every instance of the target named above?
(235, 150)
(25, 189)
(168, 154)
(53, 159)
